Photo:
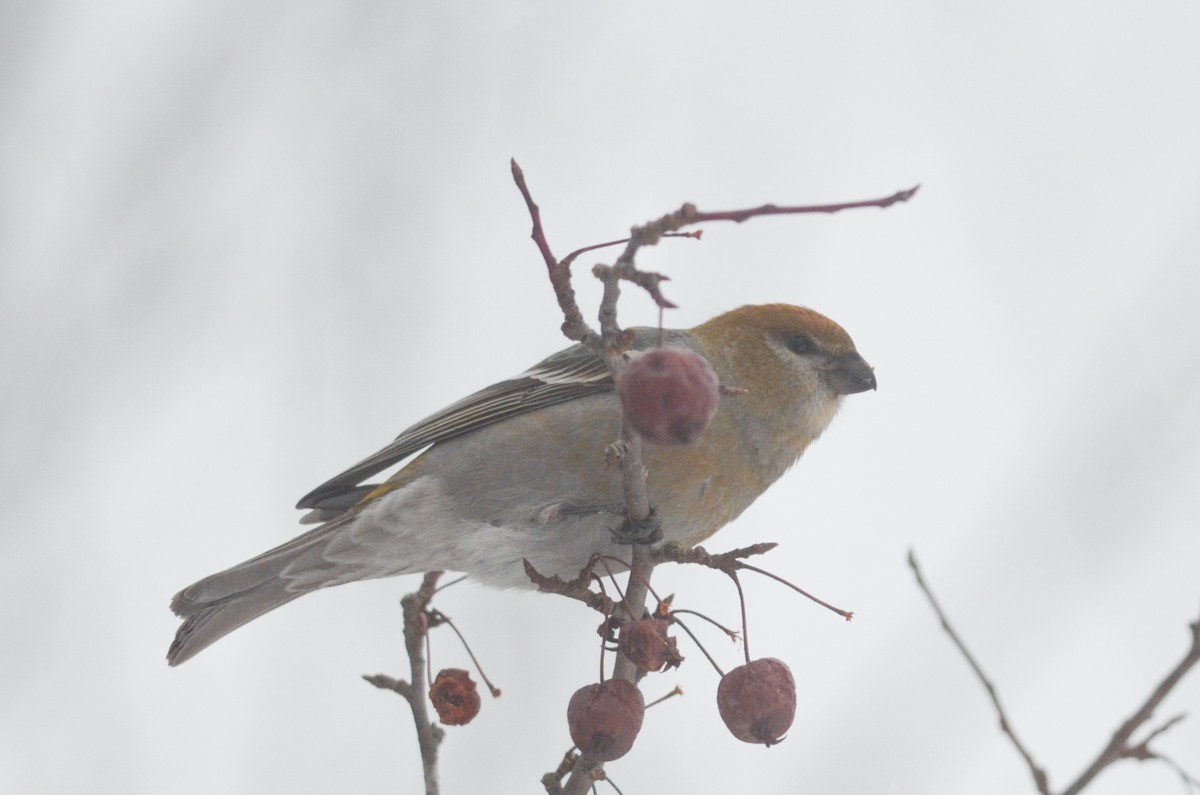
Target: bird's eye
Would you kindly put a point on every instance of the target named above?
(799, 343)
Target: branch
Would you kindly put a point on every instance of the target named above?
(416, 629)
(1118, 747)
(731, 562)
(574, 326)
(633, 478)
(739, 216)
(650, 233)
(578, 588)
(1039, 775)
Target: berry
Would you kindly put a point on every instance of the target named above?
(454, 697)
(605, 718)
(757, 701)
(647, 644)
(669, 395)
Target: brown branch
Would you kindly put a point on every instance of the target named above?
(1118, 746)
(578, 588)
(739, 216)
(637, 505)
(724, 561)
(416, 630)
(650, 233)
(552, 781)
(1039, 775)
(574, 326)
(586, 770)
(731, 562)
(570, 258)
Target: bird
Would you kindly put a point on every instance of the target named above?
(516, 471)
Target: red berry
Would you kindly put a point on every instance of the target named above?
(605, 718)
(758, 701)
(454, 697)
(669, 395)
(647, 644)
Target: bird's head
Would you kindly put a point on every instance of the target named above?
(795, 365)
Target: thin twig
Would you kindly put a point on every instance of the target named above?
(570, 258)
(650, 233)
(441, 618)
(732, 634)
(574, 326)
(416, 629)
(745, 623)
(846, 614)
(578, 588)
(1143, 748)
(1118, 746)
(455, 581)
(677, 691)
(739, 216)
(1039, 775)
(674, 553)
(699, 645)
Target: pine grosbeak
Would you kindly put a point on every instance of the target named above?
(517, 471)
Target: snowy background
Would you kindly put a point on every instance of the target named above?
(242, 245)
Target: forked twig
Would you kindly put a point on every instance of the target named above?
(416, 629)
(1118, 746)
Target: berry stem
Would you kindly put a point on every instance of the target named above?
(745, 625)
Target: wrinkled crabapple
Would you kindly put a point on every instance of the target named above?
(757, 701)
(669, 395)
(605, 718)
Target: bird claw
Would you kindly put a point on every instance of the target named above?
(647, 531)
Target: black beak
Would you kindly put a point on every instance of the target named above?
(850, 374)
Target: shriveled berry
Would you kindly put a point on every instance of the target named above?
(647, 644)
(758, 701)
(669, 395)
(605, 718)
(454, 697)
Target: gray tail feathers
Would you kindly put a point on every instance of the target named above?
(222, 602)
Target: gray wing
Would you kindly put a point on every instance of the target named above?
(567, 375)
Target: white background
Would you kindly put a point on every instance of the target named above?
(242, 245)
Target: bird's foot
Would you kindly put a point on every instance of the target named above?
(647, 531)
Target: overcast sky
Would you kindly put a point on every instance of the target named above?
(242, 245)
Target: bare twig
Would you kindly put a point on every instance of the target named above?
(552, 781)
(416, 629)
(745, 623)
(637, 505)
(573, 325)
(676, 691)
(570, 258)
(846, 614)
(730, 633)
(699, 645)
(738, 216)
(674, 553)
(578, 588)
(650, 233)
(1118, 746)
(1039, 775)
